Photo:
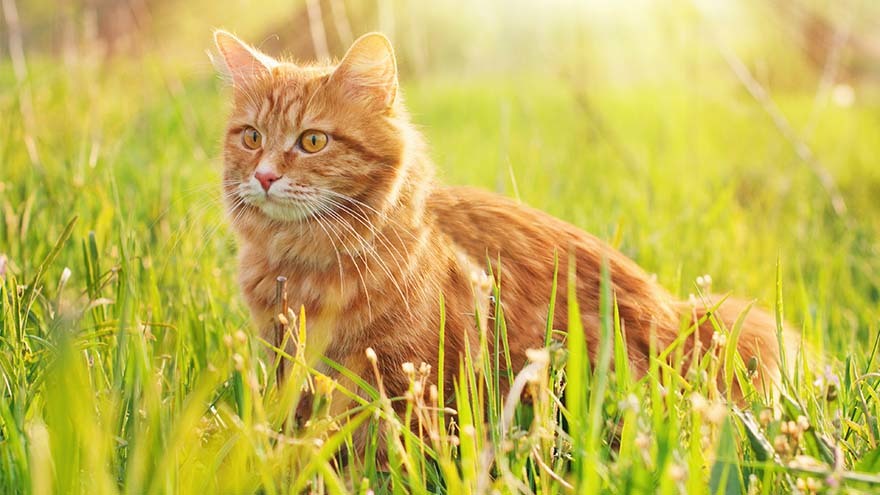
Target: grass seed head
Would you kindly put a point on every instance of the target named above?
(765, 416)
(754, 485)
(803, 423)
(239, 361)
(409, 369)
(782, 445)
(629, 403)
(65, 274)
(424, 370)
(371, 355)
(704, 282)
(642, 442)
(715, 413)
(677, 472)
(539, 356)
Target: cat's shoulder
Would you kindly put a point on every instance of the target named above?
(480, 206)
(462, 199)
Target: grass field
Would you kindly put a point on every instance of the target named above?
(129, 364)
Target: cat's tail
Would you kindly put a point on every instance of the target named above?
(756, 334)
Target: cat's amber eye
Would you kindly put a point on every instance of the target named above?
(251, 138)
(313, 141)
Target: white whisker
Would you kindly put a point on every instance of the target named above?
(369, 250)
(395, 253)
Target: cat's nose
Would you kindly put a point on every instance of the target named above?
(266, 178)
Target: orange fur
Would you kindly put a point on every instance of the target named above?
(369, 241)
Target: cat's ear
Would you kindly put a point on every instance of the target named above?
(368, 72)
(243, 63)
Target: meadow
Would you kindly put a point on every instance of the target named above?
(129, 364)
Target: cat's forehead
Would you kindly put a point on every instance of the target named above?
(283, 91)
(289, 73)
(288, 80)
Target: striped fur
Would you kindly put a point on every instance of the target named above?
(369, 241)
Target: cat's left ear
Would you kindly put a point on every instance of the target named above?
(243, 63)
(368, 72)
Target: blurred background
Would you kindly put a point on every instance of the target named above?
(704, 136)
(788, 42)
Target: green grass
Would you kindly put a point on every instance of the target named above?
(138, 371)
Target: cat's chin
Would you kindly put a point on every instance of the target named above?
(284, 212)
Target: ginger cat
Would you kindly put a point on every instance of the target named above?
(329, 184)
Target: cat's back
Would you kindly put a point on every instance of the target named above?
(528, 248)
(487, 224)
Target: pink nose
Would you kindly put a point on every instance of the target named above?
(266, 179)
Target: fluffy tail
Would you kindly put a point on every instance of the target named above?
(756, 335)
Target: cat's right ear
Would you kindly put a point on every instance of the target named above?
(242, 63)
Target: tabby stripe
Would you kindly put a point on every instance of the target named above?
(288, 105)
(265, 107)
(361, 149)
(271, 98)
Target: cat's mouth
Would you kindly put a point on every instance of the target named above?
(281, 202)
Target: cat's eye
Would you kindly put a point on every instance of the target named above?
(251, 138)
(313, 141)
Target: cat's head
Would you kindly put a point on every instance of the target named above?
(304, 139)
